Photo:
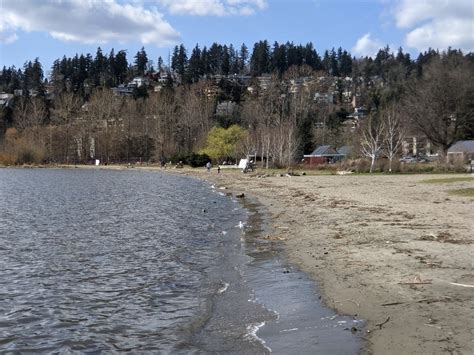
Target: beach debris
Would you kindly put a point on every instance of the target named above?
(424, 300)
(380, 325)
(444, 237)
(344, 172)
(417, 281)
(241, 195)
(355, 302)
(462, 285)
(222, 188)
(273, 237)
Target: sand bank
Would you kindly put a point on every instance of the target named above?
(394, 250)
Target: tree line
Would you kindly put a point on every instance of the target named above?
(84, 120)
(85, 71)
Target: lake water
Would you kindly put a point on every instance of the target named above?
(102, 260)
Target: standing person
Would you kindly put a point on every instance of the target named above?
(208, 166)
(218, 169)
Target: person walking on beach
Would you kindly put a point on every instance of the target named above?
(208, 166)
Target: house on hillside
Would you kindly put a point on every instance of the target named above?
(5, 99)
(324, 98)
(462, 151)
(325, 154)
(226, 108)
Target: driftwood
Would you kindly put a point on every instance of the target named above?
(462, 285)
(384, 322)
(427, 300)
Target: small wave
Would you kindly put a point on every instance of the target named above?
(223, 288)
(288, 330)
(252, 330)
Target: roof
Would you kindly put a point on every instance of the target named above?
(324, 150)
(462, 146)
(345, 150)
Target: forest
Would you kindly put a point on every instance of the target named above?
(276, 102)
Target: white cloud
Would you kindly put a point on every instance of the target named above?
(87, 21)
(437, 23)
(214, 7)
(367, 46)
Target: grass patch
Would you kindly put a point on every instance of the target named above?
(469, 192)
(448, 180)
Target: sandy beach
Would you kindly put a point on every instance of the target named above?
(393, 250)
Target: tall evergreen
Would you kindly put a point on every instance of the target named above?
(243, 57)
(279, 63)
(195, 66)
(260, 59)
(141, 61)
(225, 67)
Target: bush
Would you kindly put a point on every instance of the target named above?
(197, 160)
(7, 158)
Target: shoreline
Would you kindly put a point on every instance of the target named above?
(391, 249)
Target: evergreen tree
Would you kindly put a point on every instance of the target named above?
(195, 67)
(345, 63)
(179, 60)
(311, 57)
(260, 59)
(215, 58)
(243, 57)
(205, 61)
(234, 60)
(100, 66)
(160, 64)
(120, 67)
(279, 63)
(333, 63)
(141, 61)
(326, 62)
(225, 67)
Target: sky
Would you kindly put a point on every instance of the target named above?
(49, 29)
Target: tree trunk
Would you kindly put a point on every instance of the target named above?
(372, 164)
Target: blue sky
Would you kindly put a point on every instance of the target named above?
(49, 29)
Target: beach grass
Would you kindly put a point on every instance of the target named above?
(469, 192)
(448, 180)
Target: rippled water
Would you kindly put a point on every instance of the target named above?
(104, 261)
(98, 260)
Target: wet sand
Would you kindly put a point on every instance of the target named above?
(392, 250)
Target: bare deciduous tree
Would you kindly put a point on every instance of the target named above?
(66, 108)
(440, 103)
(372, 139)
(394, 134)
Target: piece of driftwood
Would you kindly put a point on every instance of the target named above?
(384, 322)
(415, 283)
(462, 285)
(424, 300)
